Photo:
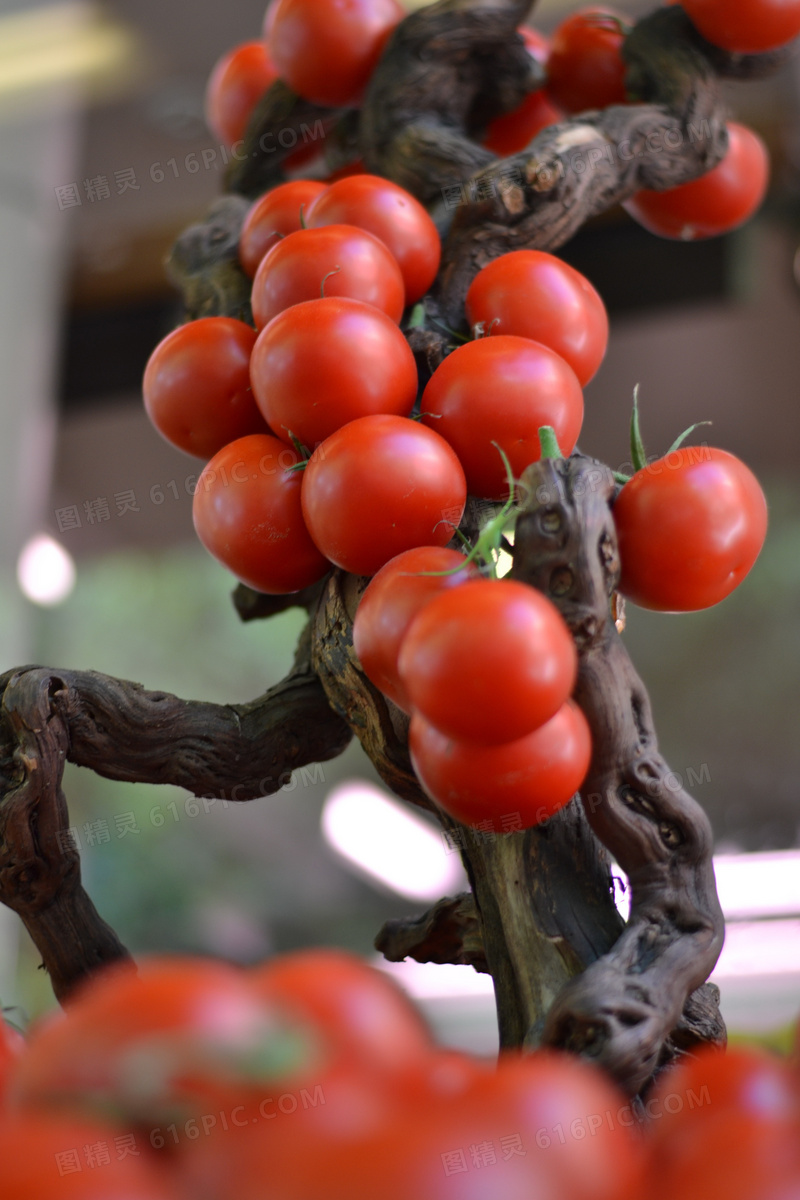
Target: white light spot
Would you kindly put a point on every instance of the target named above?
(390, 844)
(45, 571)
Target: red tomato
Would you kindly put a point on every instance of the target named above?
(177, 1035)
(45, 1157)
(717, 202)
(356, 1008)
(11, 1046)
(585, 69)
(323, 363)
(379, 486)
(462, 402)
(535, 1128)
(391, 214)
(273, 216)
(489, 661)
(235, 86)
(326, 50)
(746, 26)
(339, 260)
(512, 132)
(511, 786)
(725, 1123)
(532, 294)
(689, 526)
(197, 385)
(390, 603)
(247, 514)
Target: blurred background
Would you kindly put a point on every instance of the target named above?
(104, 158)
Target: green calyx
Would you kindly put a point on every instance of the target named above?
(638, 452)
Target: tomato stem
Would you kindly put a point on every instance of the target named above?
(325, 278)
(638, 454)
(549, 442)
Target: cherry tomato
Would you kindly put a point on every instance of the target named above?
(391, 214)
(247, 513)
(585, 69)
(338, 260)
(48, 1157)
(502, 389)
(489, 661)
(390, 603)
(689, 526)
(722, 199)
(273, 216)
(532, 294)
(177, 1035)
(511, 786)
(513, 131)
(746, 26)
(322, 363)
(11, 1046)
(197, 385)
(355, 1007)
(536, 1127)
(327, 50)
(235, 86)
(725, 1123)
(378, 486)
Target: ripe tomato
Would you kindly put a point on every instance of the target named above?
(717, 202)
(378, 486)
(236, 84)
(532, 294)
(177, 1035)
(689, 526)
(322, 363)
(273, 216)
(197, 385)
(511, 786)
(512, 132)
(536, 1127)
(326, 50)
(390, 603)
(489, 661)
(338, 260)
(585, 69)
(502, 389)
(247, 513)
(391, 214)
(746, 26)
(46, 1157)
(725, 1123)
(356, 1009)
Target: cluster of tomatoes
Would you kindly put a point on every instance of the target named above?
(314, 1076)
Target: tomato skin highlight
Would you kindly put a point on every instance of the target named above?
(326, 50)
(585, 69)
(513, 785)
(196, 385)
(247, 514)
(719, 201)
(378, 486)
(236, 84)
(532, 294)
(338, 260)
(273, 216)
(502, 389)
(689, 527)
(391, 602)
(322, 363)
(745, 26)
(489, 661)
(391, 214)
